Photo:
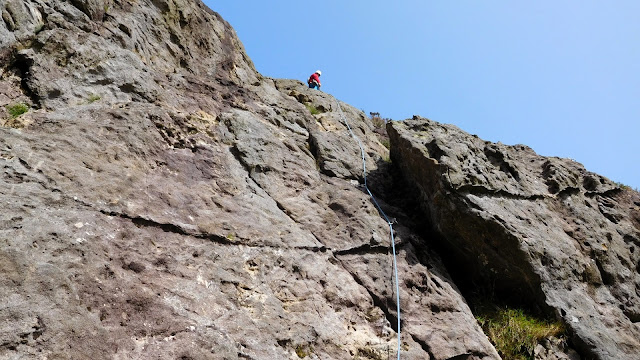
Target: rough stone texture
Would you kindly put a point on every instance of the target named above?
(542, 230)
(554, 349)
(163, 200)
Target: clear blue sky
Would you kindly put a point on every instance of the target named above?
(562, 77)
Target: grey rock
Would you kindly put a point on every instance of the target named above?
(543, 230)
(161, 199)
(94, 9)
(21, 19)
(554, 349)
(330, 139)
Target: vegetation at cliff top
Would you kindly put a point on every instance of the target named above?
(625, 186)
(380, 129)
(378, 122)
(515, 334)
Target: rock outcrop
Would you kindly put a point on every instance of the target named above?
(540, 230)
(163, 200)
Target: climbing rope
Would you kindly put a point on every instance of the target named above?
(393, 242)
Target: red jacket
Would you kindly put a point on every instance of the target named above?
(313, 77)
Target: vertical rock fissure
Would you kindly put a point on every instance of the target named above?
(23, 63)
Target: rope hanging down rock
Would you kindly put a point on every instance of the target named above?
(393, 243)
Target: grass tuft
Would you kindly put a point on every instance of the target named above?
(16, 110)
(515, 334)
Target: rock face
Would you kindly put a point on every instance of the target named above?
(542, 230)
(163, 200)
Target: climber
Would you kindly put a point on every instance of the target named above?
(314, 80)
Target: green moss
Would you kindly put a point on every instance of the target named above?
(93, 98)
(515, 334)
(16, 110)
(302, 351)
(312, 109)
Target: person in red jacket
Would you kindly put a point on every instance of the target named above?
(314, 80)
